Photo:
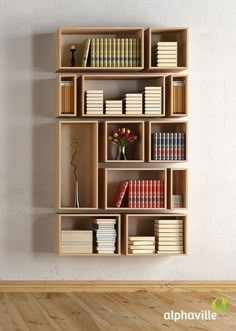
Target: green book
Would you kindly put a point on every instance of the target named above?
(134, 53)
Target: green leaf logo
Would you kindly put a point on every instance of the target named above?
(219, 304)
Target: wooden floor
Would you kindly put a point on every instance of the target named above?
(111, 311)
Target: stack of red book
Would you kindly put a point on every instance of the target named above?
(141, 193)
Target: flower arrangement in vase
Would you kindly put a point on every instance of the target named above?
(122, 137)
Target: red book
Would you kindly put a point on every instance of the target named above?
(134, 193)
(130, 194)
(120, 193)
(142, 195)
(154, 193)
(162, 194)
(138, 194)
(146, 194)
(158, 194)
(150, 194)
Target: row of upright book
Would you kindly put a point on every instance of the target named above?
(168, 146)
(111, 52)
(140, 194)
(149, 101)
(165, 54)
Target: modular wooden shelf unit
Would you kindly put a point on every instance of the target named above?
(65, 37)
(99, 173)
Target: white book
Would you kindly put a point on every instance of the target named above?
(141, 238)
(168, 221)
(167, 65)
(167, 43)
(94, 91)
(140, 242)
(142, 251)
(167, 56)
(152, 247)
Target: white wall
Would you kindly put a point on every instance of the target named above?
(26, 138)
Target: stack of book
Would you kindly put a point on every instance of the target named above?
(168, 146)
(105, 235)
(94, 102)
(67, 97)
(169, 236)
(165, 54)
(133, 103)
(178, 97)
(113, 107)
(152, 100)
(177, 201)
(141, 245)
(77, 242)
(141, 194)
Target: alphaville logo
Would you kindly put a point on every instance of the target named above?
(219, 304)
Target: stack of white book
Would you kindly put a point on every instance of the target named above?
(152, 100)
(141, 245)
(77, 242)
(169, 236)
(113, 107)
(165, 54)
(105, 235)
(94, 102)
(133, 103)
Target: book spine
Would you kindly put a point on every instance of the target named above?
(122, 52)
(146, 194)
(130, 48)
(162, 194)
(134, 193)
(158, 193)
(142, 193)
(101, 52)
(138, 195)
(93, 51)
(109, 52)
(171, 142)
(134, 52)
(182, 146)
(118, 52)
(167, 156)
(105, 52)
(175, 146)
(179, 146)
(97, 52)
(163, 146)
(126, 53)
(113, 63)
(150, 194)
(159, 148)
(120, 194)
(130, 194)
(154, 192)
(154, 146)
(138, 53)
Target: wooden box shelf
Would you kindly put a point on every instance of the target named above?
(66, 95)
(165, 126)
(110, 178)
(134, 152)
(177, 95)
(71, 222)
(86, 134)
(115, 86)
(143, 225)
(154, 35)
(177, 188)
(67, 36)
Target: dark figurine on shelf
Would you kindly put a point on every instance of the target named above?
(72, 50)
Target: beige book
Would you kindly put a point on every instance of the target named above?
(113, 52)
(152, 247)
(142, 251)
(76, 235)
(109, 53)
(105, 45)
(141, 238)
(170, 248)
(140, 242)
(122, 52)
(76, 249)
(134, 52)
(126, 53)
(130, 50)
(101, 52)
(97, 52)
(118, 52)
(138, 53)
(93, 53)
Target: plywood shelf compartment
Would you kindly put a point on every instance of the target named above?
(73, 222)
(115, 86)
(110, 178)
(67, 36)
(153, 35)
(85, 133)
(165, 126)
(143, 225)
(66, 95)
(177, 96)
(108, 151)
(177, 186)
